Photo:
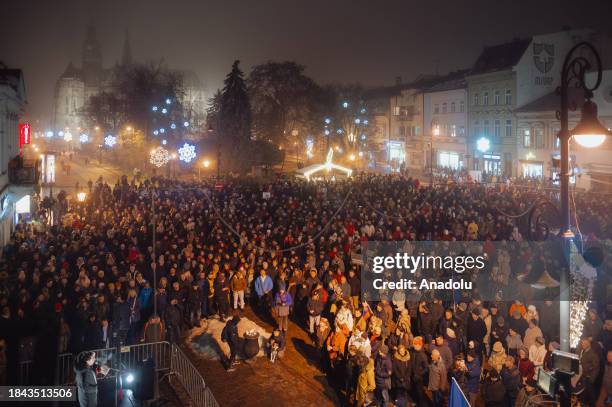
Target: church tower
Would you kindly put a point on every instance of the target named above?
(92, 58)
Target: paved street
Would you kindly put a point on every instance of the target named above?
(296, 380)
(81, 173)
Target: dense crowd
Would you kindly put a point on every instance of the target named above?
(288, 248)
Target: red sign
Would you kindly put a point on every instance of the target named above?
(24, 134)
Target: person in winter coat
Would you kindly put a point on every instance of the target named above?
(511, 378)
(532, 333)
(344, 318)
(238, 286)
(459, 373)
(513, 342)
(452, 342)
(93, 334)
(445, 353)
(263, 289)
(222, 292)
(498, 357)
(314, 307)
(153, 330)
(85, 377)
(438, 379)
(525, 365)
(537, 352)
(589, 361)
(473, 376)
(476, 328)
(229, 335)
(420, 371)
(518, 323)
(283, 303)
(499, 331)
(426, 324)
(366, 383)
(194, 304)
(401, 375)
(592, 325)
(173, 319)
(493, 391)
(383, 368)
(134, 318)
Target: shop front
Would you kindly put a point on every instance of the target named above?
(531, 169)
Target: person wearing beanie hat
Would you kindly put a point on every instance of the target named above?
(383, 368)
(283, 303)
(498, 356)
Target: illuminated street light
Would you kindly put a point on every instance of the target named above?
(589, 132)
(483, 144)
(352, 157)
(206, 163)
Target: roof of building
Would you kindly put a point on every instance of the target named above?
(71, 72)
(500, 57)
(13, 78)
(552, 102)
(453, 80)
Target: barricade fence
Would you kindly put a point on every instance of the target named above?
(169, 361)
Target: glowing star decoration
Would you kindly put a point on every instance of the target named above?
(483, 144)
(186, 124)
(159, 156)
(68, 136)
(154, 108)
(164, 110)
(84, 138)
(173, 126)
(327, 166)
(187, 153)
(110, 140)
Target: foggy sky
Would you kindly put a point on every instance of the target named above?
(367, 41)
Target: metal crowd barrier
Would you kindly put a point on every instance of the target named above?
(183, 371)
(169, 361)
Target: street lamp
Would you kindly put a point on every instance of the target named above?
(588, 133)
(435, 131)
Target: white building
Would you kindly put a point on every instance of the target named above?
(538, 148)
(17, 177)
(445, 121)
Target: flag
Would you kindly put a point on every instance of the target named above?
(457, 398)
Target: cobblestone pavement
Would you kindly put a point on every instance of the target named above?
(296, 380)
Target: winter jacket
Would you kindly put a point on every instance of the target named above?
(366, 383)
(476, 330)
(473, 375)
(590, 364)
(238, 283)
(383, 367)
(438, 379)
(420, 367)
(263, 286)
(446, 354)
(493, 393)
(530, 336)
(314, 307)
(402, 371)
(511, 378)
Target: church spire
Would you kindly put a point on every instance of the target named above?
(126, 57)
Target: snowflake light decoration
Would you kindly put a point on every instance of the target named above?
(159, 157)
(187, 152)
(68, 136)
(110, 140)
(84, 138)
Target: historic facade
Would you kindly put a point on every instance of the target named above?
(77, 84)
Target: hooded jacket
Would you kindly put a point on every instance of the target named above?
(402, 371)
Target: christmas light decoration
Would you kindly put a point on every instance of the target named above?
(84, 138)
(110, 140)
(187, 152)
(328, 165)
(68, 136)
(159, 156)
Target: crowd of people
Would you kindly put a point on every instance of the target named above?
(98, 278)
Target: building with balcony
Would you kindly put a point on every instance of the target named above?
(18, 177)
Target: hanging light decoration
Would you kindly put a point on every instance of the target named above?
(84, 138)
(187, 152)
(159, 156)
(68, 136)
(110, 140)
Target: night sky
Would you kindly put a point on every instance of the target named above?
(368, 41)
